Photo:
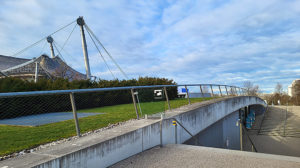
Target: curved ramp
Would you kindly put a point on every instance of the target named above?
(113, 145)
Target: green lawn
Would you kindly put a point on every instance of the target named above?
(17, 138)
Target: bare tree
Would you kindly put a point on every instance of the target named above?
(251, 89)
(278, 88)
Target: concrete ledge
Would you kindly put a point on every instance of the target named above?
(111, 146)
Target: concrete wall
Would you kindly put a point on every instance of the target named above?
(222, 134)
(121, 147)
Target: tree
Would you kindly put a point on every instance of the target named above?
(251, 89)
(279, 96)
(278, 88)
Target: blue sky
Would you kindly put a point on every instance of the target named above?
(207, 41)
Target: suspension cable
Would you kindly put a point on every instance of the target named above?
(88, 29)
(68, 38)
(54, 44)
(101, 55)
(32, 45)
(43, 48)
(58, 46)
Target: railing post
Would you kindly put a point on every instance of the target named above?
(134, 103)
(201, 91)
(236, 93)
(75, 114)
(220, 90)
(36, 74)
(175, 126)
(212, 91)
(226, 90)
(176, 134)
(241, 135)
(187, 93)
(167, 98)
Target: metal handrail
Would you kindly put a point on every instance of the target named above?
(55, 92)
(193, 136)
(249, 137)
(262, 120)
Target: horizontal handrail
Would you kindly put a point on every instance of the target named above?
(55, 92)
(207, 85)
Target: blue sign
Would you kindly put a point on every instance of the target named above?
(183, 90)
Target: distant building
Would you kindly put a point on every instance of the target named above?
(290, 90)
(32, 69)
(294, 88)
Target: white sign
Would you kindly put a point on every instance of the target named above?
(158, 94)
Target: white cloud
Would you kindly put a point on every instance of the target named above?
(188, 41)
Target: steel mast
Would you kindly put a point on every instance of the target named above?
(80, 22)
(50, 41)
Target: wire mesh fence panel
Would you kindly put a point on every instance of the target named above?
(151, 102)
(206, 91)
(195, 94)
(230, 91)
(181, 99)
(221, 91)
(225, 89)
(194, 91)
(104, 108)
(184, 96)
(215, 91)
(29, 121)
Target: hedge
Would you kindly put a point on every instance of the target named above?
(21, 106)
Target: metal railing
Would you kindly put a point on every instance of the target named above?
(186, 130)
(56, 92)
(253, 148)
(215, 90)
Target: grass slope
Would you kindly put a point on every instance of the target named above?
(17, 138)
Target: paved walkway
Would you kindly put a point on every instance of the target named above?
(195, 156)
(278, 132)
